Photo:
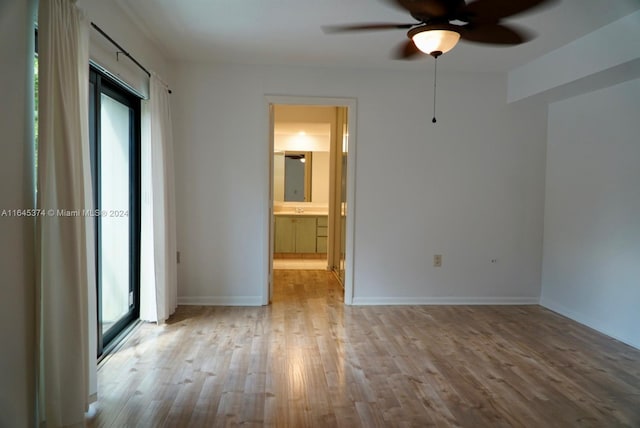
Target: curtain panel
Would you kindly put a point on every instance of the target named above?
(158, 282)
(64, 243)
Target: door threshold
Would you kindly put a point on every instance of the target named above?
(118, 342)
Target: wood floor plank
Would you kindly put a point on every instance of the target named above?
(309, 361)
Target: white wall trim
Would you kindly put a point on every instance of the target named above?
(373, 301)
(220, 300)
(583, 319)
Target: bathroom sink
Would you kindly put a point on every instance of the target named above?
(296, 210)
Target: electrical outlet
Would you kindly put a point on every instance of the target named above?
(437, 260)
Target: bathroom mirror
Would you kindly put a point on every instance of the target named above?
(292, 176)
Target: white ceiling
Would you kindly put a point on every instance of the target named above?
(289, 32)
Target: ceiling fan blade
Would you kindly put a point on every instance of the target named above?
(494, 10)
(495, 34)
(407, 50)
(329, 29)
(430, 8)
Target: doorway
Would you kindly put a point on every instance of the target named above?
(311, 181)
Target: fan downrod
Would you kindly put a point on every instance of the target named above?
(435, 55)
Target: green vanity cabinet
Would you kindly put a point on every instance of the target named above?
(321, 234)
(295, 234)
(284, 235)
(300, 234)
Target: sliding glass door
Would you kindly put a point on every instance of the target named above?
(115, 138)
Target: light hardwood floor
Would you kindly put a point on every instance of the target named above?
(300, 264)
(308, 360)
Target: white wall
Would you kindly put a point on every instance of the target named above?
(470, 188)
(320, 178)
(126, 30)
(298, 143)
(591, 269)
(278, 176)
(607, 54)
(17, 300)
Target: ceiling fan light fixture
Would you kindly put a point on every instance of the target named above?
(434, 41)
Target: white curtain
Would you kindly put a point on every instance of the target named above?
(65, 265)
(158, 282)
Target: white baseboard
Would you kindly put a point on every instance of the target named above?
(372, 301)
(585, 320)
(220, 300)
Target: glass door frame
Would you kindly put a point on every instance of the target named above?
(101, 83)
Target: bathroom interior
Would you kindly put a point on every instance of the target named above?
(309, 187)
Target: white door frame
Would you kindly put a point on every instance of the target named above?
(350, 104)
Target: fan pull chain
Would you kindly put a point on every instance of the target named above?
(435, 79)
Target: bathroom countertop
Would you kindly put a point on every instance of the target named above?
(304, 213)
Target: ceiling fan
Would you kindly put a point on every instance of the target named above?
(442, 23)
